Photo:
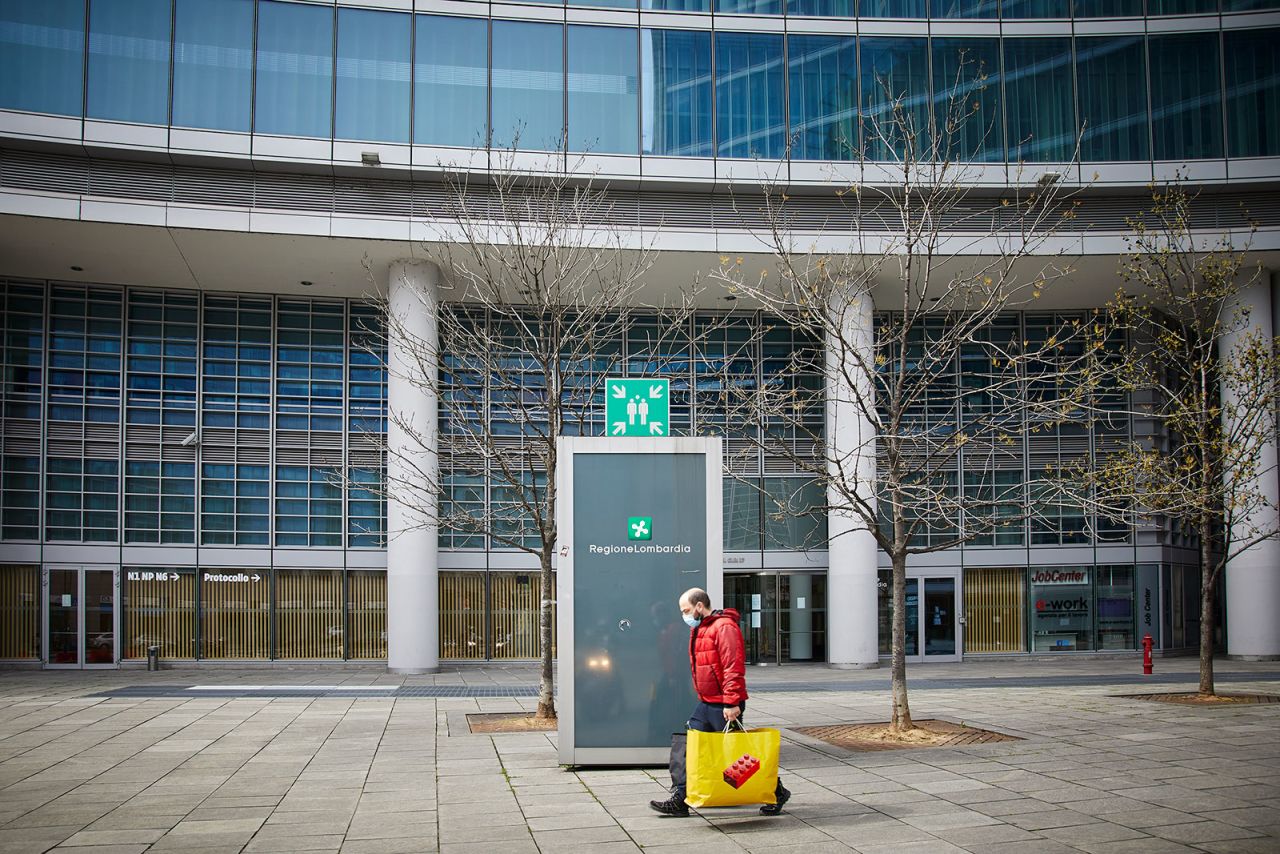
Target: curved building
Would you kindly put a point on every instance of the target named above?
(197, 195)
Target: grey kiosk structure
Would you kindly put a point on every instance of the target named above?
(640, 523)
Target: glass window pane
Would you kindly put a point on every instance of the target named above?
(749, 95)
(1035, 8)
(823, 8)
(1111, 74)
(42, 56)
(373, 76)
(213, 64)
(676, 101)
(604, 86)
(1249, 5)
(1253, 92)
(822, 74)
(1181, 7)
(742, 524)
(677, 5)
(295, 70)
(129, 60)
(1186, 96)
(966, 98)
(891, 8)
(749, 7)
(893, 72)
(528, 85)
(1038, 99)
(965, 8)
(451, 80)
(1107, 8)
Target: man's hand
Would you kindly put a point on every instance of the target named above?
(731, 713)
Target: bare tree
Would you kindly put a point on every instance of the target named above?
(937, 379)
(542, 270)
(1209, 380)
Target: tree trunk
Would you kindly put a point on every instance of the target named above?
(1207, 576)
(901, 721)
(546, 688)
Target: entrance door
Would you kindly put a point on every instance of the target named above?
(932, 618)
(81, 617)
(782, 615)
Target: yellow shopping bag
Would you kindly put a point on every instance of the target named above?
(733, 767)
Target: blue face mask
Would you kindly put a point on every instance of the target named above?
(691, 620)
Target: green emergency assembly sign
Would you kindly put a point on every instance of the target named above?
(637, 407)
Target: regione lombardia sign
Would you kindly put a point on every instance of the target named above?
(637, 407)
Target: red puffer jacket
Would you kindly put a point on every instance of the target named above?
(718, 658)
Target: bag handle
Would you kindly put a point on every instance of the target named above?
(728, 726)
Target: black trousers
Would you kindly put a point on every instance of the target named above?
(706, 717)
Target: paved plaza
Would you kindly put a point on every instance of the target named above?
(88, 762)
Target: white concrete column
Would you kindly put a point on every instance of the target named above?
(1253, 578)
(851, 576)
(413, 607)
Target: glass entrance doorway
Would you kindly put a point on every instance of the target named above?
(783, 615)
(80, 617)
(933, 618)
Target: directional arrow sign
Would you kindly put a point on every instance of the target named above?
(637, 407)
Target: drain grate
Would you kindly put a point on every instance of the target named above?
(864, 737)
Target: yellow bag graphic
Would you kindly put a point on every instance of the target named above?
(733, 767)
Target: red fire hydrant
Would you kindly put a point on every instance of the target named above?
(1146, 655)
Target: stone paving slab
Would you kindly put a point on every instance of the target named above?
(239, 773)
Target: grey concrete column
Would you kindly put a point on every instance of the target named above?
(1253, 578)
(413, 607)
(852, 640)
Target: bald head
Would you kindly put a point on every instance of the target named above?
(695, 596)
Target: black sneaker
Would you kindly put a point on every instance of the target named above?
(784, 795)
(673, 806)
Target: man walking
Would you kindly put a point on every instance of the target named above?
(717, 659)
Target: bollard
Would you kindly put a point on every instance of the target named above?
(153, 658)
(1146, 655)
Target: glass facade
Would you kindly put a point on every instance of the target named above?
(363, 74)
(294, 75)
(213, 64)
(129, 45)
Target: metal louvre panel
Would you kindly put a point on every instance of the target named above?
(62, 448)
(141, 451)
(25, 447)
(384, 198)
(293, 192)
(131, 180)
(30, 170)
(65, 430)
(102, 450)
(367, 459)
(200, 186)
(21, 428)
(136, 179)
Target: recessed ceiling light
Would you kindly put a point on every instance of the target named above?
(730, 298)
(306, 283)
(77, 269)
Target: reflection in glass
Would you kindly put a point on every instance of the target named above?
(1107, 8)
(295, 70)
(894, 79)
(308, 616)
(676, 92)
(677, 5)
(213, 64)
(603, 87)
(742, 529)
(749, 95)
(1181, 7)
(1116, 613)
(159, 610)
(1036, 8)
(64, 616)
(1186, 96)
(994, 609)
(451, 81)
(965, 8)
(891, 8)
(42, 56)
(528, 85)
(823, 8)
(792, 520)
(966, 99)
(373, 76)
(1111, 73)
(367, 613)
(1253, 92)
(99, 616)
(749, 7)
(235, 613)
(939, 616)
(1038, 99)
(129, 60)
(822, 75)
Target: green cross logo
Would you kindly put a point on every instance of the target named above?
(639, 528)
